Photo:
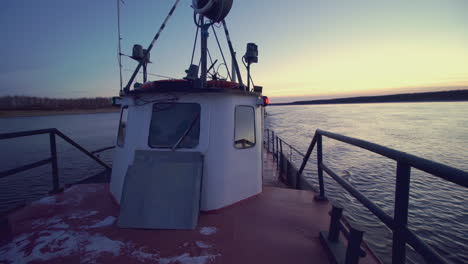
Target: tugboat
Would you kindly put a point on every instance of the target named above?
(191, 181)
(186, 181)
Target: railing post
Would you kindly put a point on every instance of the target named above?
(305, 160)
(268, 140)
(353, 251)
(273, 143)
(53, 154)
(321, 195)
(402, 186)
(280, 159)
(277, 149)
(334, 230)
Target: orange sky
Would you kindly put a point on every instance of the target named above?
(309, 48)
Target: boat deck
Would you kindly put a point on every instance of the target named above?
(270, 172)
(78, 226)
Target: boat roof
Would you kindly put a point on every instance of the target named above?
(183, 86)
(193, 90)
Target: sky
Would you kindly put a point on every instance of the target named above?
(307, 48)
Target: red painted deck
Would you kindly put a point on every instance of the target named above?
(78, 226)
(270, 173)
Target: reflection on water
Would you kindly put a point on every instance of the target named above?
(436, 131)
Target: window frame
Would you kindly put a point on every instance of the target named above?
(254, 126)
(151, 119)
(126, 126)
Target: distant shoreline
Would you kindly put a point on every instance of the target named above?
(31, 113)
(443, 96)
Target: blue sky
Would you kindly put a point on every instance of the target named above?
(307, 48)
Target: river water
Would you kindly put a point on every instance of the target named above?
(438, 210)
(436, 131)
(92, 131)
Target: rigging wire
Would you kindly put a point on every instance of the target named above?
(194, 46)
(209, 55)
(123, 54)
(222, 54)
(153, 74)
(231, 49)
(140, 64)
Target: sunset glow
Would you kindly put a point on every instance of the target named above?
(306, 48)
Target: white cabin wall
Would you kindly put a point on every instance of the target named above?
(232, 174)
(138, 125)
(229, 175)
(217, 160)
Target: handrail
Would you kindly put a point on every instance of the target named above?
(53, 132)
(360, 197)
(76, 145)
(26, 133)
(33, 165)
(398, 224)
(284, 142)
(102, 150)
(440, 170)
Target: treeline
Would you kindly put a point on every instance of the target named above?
(443, 96)
(44, 103)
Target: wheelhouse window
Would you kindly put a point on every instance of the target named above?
(244, 134)
(122, 127)
(175, 125)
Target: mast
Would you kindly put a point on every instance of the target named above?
(210, 12)
(233, 69)
(204, 51)
(119, 44)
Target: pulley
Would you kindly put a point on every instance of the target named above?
(215, 10)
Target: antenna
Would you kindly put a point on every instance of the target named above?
(119, 41)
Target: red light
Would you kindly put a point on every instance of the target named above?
(266, 101)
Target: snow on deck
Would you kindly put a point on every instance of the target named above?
(79, 226)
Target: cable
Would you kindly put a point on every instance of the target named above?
(211, 60)
(125, 55)
(194, 46)
(222, 54)
(197, 23)
(153, 74)
(231, 49)
(220, 76)
(250, 76)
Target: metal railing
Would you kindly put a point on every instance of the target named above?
(283, 154)
(53, 132)
(398, 223)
